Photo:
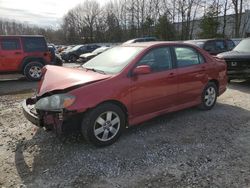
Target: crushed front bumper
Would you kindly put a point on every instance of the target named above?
(30, 113)
(58, 121)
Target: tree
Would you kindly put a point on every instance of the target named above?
(238, 8)
(209, 24)
(165, 29)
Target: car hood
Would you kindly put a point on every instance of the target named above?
(59, 78)
(234, 55)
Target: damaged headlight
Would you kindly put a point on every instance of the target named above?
(55, 102)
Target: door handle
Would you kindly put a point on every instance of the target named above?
(17, 53)
(171, 75)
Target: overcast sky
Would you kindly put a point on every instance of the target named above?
(38, 12)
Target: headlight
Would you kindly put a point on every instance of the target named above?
(55, 102)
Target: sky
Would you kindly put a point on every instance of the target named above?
(44, 13)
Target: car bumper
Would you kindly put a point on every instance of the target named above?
(58, 121)
(241, 74)
(30, 115)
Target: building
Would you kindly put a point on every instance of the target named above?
(195, 29)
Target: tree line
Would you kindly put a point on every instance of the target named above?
(120, 20)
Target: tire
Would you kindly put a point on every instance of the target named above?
(72, 58)
(209, 96)
(97, 127)
(33, 71)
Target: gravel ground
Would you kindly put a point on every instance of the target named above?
(190, 148)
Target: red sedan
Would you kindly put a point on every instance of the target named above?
(125, 86)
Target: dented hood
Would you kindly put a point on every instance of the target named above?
(60, 78)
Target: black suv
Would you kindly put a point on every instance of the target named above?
(73, 54)
(238, 60)
(213, 46)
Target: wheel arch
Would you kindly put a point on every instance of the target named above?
(119, 104)
(27, 60)
(216, 82)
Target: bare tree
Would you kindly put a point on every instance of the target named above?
(238, 9)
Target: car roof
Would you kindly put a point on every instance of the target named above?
(205, 40)
(153, 43)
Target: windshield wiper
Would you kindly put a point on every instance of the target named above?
(95, 70)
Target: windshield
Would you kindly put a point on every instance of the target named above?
(243, 46)
(76, 47)
(113, 60)
(99, 50)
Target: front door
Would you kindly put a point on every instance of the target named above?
(154, 91)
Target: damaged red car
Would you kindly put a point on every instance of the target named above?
(125, 86)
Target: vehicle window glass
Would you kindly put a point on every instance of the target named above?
(220, 45)
(230, 44)
(32, 44)
(10, 44)
(84, 48)
(209, 46)
(158, 59)
(115, 59)
(187, 56)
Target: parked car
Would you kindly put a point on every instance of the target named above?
(236, 41)
(125, 86)
(213, 46)
(55, 58)
(86, 57)
(144, 39)
(238, 60)
(73, 54)
(24, 54)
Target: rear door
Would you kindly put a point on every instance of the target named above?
(191, 73)
(11, 54)
(157, 90)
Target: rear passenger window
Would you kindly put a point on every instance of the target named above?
(187, 57)
(158, 59)
(32, 44)
(10, 44)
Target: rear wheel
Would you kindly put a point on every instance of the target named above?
(72, 58)
(33, 71)
(103, 125)
(209, 96)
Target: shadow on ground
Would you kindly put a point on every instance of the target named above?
(190, 146)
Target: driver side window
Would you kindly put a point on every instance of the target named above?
(158, 59)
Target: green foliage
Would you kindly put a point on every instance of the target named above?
(164, 29)
(209, 24)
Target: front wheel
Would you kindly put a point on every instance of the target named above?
(209, 96)
(103, 125)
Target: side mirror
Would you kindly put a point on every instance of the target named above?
(142, 69)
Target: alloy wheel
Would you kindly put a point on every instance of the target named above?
(106, 126)
(210, 96)
(35, 72)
